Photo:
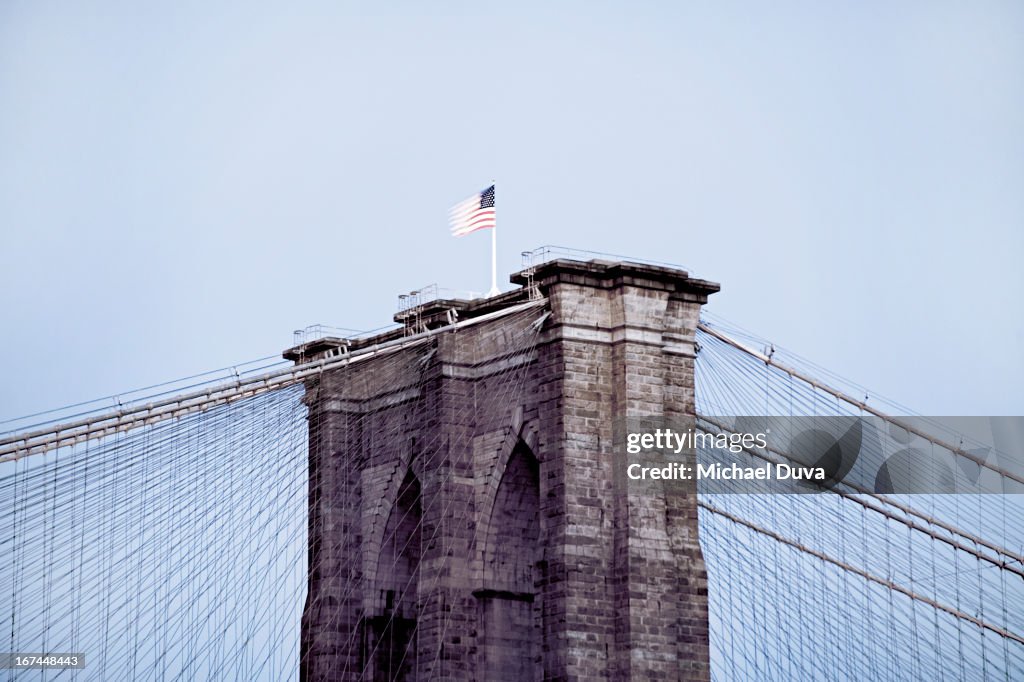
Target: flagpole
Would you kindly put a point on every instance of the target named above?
(494, 261)
(494, 253)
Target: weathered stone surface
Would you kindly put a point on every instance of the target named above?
(466, 517)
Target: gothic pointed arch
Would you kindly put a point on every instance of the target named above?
(391, 633)
(510, 599)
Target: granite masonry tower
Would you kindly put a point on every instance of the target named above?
(468, 519)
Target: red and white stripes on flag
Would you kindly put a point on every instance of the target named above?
(475, 213)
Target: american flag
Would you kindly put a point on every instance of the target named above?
(475, 213)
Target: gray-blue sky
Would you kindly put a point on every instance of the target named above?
(183, 184)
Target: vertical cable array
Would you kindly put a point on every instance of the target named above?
(860, 583)
(168, 552)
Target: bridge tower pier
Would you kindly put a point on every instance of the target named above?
(469, 513)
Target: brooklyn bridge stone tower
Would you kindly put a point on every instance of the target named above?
(468, 518)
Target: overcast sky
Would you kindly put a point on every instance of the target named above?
(183, 184)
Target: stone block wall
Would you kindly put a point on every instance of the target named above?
(470, 517)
